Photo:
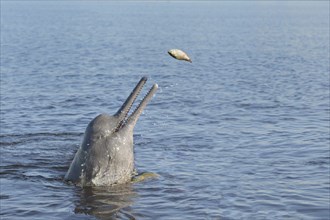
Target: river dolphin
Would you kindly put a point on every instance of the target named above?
(106, 155)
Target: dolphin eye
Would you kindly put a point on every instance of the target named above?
(97, 137)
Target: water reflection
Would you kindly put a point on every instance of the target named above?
(107, 202)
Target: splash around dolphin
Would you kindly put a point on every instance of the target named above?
(106, 155)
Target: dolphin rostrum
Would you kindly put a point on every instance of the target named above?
(106, 155)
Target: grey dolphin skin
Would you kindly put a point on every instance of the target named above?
(106, 155)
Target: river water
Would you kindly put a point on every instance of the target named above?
(240, 133)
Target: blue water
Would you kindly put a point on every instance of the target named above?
(241, 133)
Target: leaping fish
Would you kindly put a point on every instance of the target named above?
(179, 55)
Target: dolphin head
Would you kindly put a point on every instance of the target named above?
(106, 156)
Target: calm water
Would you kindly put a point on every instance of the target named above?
(241, 133)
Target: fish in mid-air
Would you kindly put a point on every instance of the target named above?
(179, 55)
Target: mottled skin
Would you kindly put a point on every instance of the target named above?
(106, 155)
(179, 55)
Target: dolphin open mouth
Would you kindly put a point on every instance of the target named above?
(126, 107)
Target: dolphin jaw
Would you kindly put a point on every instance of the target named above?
(130, 121)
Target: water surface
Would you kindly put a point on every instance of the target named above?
(241, 133)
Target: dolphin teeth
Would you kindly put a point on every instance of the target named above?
(155, 86)
(124, 118)
(132, 119)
